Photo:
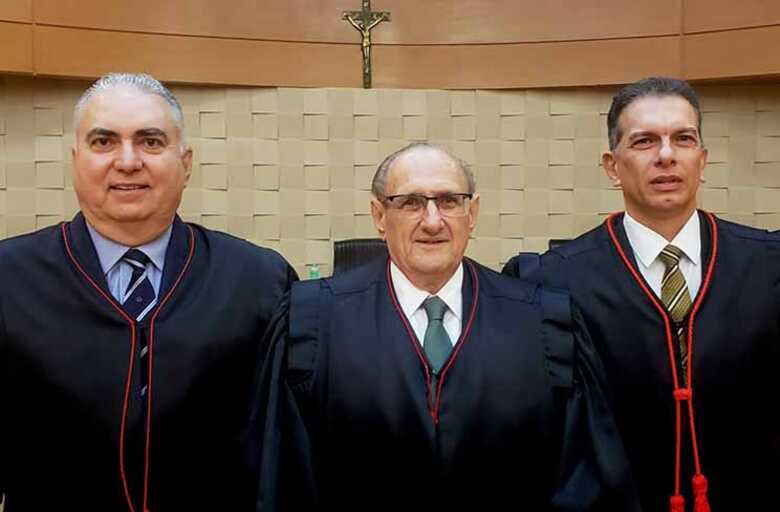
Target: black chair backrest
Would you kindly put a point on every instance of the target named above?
(348, 254)
(555, 242)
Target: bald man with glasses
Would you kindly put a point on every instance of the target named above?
(427, 380)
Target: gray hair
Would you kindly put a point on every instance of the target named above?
(141, 82)
(380, 177)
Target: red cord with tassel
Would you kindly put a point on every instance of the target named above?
(700, 504)
(676, 503)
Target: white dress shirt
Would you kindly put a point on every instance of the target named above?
(647, 245)
(411, 298)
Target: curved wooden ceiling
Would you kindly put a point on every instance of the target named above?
(432, 44)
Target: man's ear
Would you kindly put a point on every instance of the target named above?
(609, 163)
(186, 160)
(473, 212)
(379, 214)
(703, 163)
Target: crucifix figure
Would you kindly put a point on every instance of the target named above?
(363, 21)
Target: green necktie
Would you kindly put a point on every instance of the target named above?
(437, 344)
(675, 296)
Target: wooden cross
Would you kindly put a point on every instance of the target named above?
(363, 21)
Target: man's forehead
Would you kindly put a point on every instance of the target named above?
(123, 97)
(127, 108)
(654, 111)
(421, 167)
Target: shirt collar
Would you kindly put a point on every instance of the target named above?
(647, 244)
(411, 298)
(110, 252)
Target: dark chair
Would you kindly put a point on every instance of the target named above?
(555, 242)
(351, 253)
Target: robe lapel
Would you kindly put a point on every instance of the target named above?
(706, 243)
(84, 250)
(175, 256)
(467, 293)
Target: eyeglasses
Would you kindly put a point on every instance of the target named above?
(449, 205)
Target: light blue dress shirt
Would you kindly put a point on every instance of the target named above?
(118, 273)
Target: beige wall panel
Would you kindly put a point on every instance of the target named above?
(412, 21)
(192, 59)
(525, 65)
(537, 169)
(738, 53)
(16, 10)
(710, 15)
(16, 48)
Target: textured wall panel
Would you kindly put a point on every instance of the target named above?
(291, 168)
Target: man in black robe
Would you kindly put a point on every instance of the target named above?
(427, 380)
(128, 339)
(683, 308)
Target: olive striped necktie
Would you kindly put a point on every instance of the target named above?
(676, 298)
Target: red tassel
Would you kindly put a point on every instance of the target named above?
(682, 394)
(701, 504)
(676, 503)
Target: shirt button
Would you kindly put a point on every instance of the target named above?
(139, 299)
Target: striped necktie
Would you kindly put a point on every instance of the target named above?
(139, 295)
(138, 301)
(675, 296)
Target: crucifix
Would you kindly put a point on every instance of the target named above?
(363, 21)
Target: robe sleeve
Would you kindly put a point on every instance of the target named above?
(773, 250)
(524, 265)
(3, 391)
(292, 276)
(595, 474)
(510, 267)
(278, 440)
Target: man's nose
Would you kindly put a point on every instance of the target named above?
(432, 217)
(128, 159)
(666, 152)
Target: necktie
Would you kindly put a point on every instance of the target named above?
(139, 294)
(139, 297)
(436, 344)
(675, 296)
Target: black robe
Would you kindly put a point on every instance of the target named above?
(71, 431)
(735, 357)
(345, 421)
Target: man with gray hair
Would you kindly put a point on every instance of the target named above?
(128, 338)
(424, 380)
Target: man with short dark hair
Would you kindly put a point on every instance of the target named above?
(683, 310)
(426, 380)
(128, 339)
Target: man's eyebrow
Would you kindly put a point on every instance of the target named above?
(649, 133)
(151, 132)
(100, 132)
(643, 133)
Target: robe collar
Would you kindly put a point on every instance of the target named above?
(84, 251)
(620, 232)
